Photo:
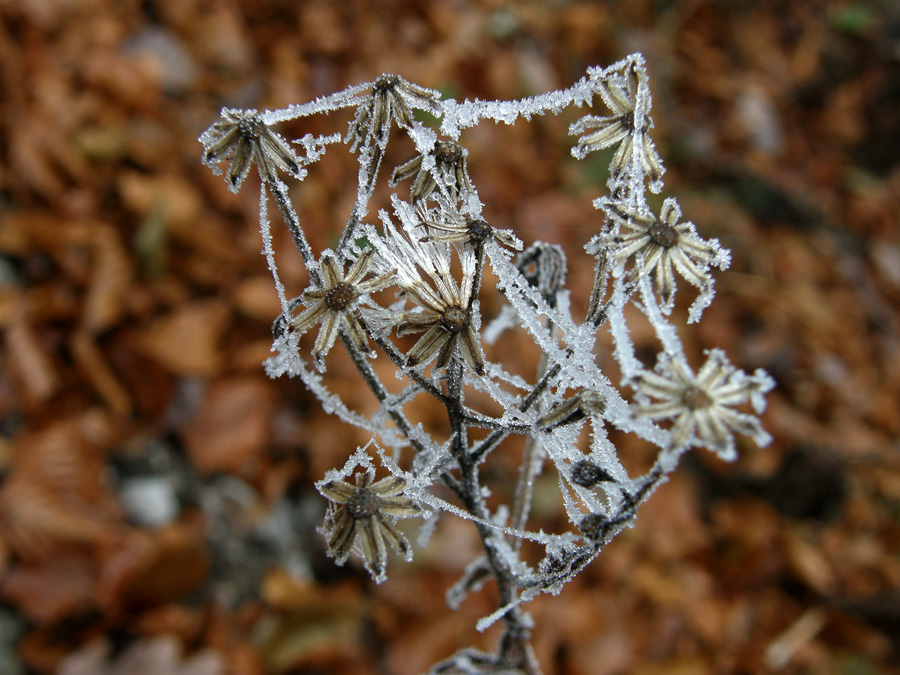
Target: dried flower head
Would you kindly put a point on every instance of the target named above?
(446, 167)
(447, 311)
(620, 127)
(335, 304)
(701, 404)
(244, 137)
(392, 99)
(452, 226)
(362, 517)
(446, 316)
(665, 245)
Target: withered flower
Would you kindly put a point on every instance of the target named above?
(446, 318)
(605, 132)
(702, 404)
(243, 137)
(457, 228)
(666, 245)
(449, 168)
(362, 518)
(392, 99)
(335, 304)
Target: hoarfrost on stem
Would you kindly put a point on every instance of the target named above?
(407, 287)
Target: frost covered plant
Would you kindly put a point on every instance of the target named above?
(444, 166)
(362, 516)
(702, 404)
(660, 246)
(243, 137)
(626, 127)
(392, 99)
(334, 305)
(406, 286)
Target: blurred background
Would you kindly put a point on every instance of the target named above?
(157, 513)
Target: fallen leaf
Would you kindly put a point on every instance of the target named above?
(231, 429)
(188, 340)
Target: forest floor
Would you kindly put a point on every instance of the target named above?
(157, 513)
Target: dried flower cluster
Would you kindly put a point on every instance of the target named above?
(417, 270)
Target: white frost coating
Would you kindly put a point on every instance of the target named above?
(665, 331)
(624, 347)
(509, 401)
(604, 454)
(722, 260)
(458, 116)
(506, 320)
(412, 289)
(473, 578)
(269, 251)
(289, 362)
(343, 99)
(442, 505)
(486, 622)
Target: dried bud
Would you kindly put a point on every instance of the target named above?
(544, 266)
(587, 474)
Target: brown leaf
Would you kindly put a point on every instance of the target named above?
(52, 589)
(56, 494)
(97, 370)
(231, 429)
(160, 655)
(29, 362)
(173, 205)
(187, 340)
(809, 563)
(148, 568)
(108, 290)
(42, 159)
(256, 297)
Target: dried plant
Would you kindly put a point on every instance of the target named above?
(432, 249)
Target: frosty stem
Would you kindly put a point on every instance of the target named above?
(514, 648)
